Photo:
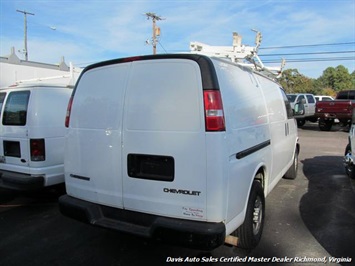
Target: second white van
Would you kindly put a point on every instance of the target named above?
(32, 135)
(181, 148)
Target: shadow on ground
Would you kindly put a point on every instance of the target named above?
(328, 208)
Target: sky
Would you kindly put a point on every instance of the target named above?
(311, 35)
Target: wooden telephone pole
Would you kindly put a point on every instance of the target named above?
(25, 13)
(156, 30)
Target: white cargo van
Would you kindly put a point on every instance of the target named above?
(177, 147)
(32, 135)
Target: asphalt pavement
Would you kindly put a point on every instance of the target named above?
(309, 220)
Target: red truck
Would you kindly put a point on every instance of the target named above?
(341, 108)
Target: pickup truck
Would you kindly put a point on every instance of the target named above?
(341, 108)
(309, 103)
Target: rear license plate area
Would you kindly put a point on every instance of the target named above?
(154, 167)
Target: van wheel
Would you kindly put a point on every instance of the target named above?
(292, 172)
(349, 167)
(249, 233)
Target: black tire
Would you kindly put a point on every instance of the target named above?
(325, 125)
(301, 122)
(349, 169)
(292, 172)
(249, 233)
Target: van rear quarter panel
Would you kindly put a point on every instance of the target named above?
(283, 131)
(246, 126)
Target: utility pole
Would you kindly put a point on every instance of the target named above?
(25, 13)
(156, 30)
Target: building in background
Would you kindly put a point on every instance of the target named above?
(13, 70)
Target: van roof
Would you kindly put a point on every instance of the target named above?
(208, 73)
(36, 85)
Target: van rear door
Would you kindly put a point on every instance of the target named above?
(93, 160)
(164, 153)
(15, 146)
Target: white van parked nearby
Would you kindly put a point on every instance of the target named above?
(32, 135)
(179, 147)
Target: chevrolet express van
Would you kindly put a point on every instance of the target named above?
(32, 135)
(181, 148)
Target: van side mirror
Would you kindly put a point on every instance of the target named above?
(298, 109)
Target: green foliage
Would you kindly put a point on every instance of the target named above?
(294, 82)
(332, 81)
(336, 78)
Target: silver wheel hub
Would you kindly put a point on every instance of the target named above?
(257, 215)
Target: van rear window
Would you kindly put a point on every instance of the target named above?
(15, 111)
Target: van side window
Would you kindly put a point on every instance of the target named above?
(287, 105)
(15, 111)
(2, 98)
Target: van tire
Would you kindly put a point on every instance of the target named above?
(292, 171)
(249, 233)
(349, 168)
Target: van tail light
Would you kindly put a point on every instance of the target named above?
(67, 117)
(38, 151)
(214, 115)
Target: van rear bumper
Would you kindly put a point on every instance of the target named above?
(194, 234)
(20, 181)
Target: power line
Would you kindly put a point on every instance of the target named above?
(307, 60)
(307, 45)
(337, 52)
(162, 47)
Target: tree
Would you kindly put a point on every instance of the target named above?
(331, 81)
(294, 82)
(337, 79)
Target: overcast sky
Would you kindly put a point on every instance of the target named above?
(90, 31)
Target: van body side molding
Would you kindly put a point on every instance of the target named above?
(80, 177)
(253, 149)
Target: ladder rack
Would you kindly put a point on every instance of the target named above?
(244, 55)
(69, 79)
